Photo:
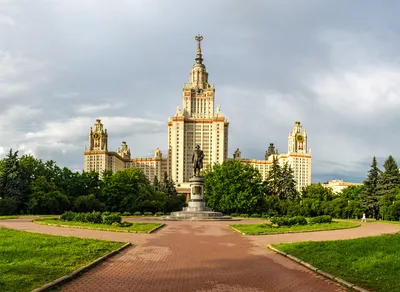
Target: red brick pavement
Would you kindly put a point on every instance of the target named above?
(200, 256)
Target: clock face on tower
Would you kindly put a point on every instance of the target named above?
(299, 137)
(96, 135)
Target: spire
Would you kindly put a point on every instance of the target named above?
(199, 58)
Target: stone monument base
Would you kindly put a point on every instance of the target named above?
(196, 209)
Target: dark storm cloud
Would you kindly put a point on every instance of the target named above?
(332, 65)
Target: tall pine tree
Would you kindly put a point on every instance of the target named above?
(389, 179)
(369, 196)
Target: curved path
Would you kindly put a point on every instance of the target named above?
(200, 256)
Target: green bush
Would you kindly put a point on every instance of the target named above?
(112, 218)
(126, 214)
(255, 215)
(244, 215)
(106, 213)
(159, 213)
(80, 217)
(125, 224)
(68, 216)
(234, 214)
(320, 219)
(94, 217)
(264, 216)
(287, 221)
(298, 220)
(280, 221)
(137, 213)
(148, 214)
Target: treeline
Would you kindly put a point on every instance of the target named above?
(235, 188)
(30, 186)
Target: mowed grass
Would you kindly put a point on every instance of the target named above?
(264, 228)
(25, 216)
(136, 227)
(370, 262)
(30, 260)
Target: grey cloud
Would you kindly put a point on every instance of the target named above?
(270, 60)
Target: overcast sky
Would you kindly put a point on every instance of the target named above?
(333, 65)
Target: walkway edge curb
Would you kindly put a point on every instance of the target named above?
(237, 230)
(318, 271)
(83, 269)
(156, 228)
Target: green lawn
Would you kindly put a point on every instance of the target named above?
(264, 228)
(370, 262)
(30, 260)
(371, 221)
(136, 227)
(25, 216)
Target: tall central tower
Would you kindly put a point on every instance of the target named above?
(196, 124)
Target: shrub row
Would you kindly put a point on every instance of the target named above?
(289, 221)
(300, 220)
(320, 219)
(255, 215)
(94, 217)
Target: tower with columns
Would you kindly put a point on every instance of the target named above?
(197, 123)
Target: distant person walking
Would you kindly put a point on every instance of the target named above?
(364, 219)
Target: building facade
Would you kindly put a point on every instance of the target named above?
(298, 157)
(198, 122)
(338, 185)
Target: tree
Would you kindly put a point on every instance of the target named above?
(233, 187)
(389, 179)
(351, 193)
(274, 180)
(369, 196)
(13, 181)
(288, 183)
(317, 192)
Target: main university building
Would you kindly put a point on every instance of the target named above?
(197, 123)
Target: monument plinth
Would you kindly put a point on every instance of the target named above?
(196, 209)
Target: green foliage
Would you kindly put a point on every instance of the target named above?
(255, 215)
(88, 203)
(126, 214)
(94, 217)
(317, 192)
(159, 213)
(137, 213)
(68, 216)
(80, 217)
(369, 195)
(287, 221)
(320, 219)
(233, 187)
(389, 179)
(234, 214)
(8, 206)
(148, 214)
(244, 215)
(110, 219)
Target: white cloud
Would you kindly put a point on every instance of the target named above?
(92, 108)
(6, 20)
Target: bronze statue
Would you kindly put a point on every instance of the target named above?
(197, 160)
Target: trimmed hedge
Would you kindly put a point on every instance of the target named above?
(94, 217)
(321, 219)
(287, 221)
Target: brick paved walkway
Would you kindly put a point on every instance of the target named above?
(200, 256)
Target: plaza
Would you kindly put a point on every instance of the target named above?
(200, 256)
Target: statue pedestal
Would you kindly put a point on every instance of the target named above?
(196, 209)
(196, 202)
